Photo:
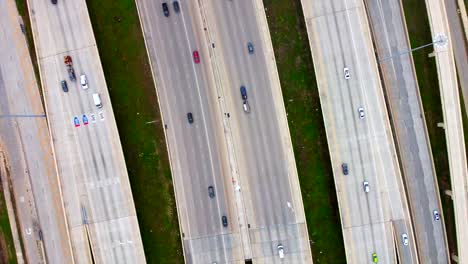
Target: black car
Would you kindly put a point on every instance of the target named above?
(224, 219)
(176, 6)
(64, 86)
(250, 48)
(344, 167)
(54, 2)
(211, 192)
(165, 9)
(190, 117)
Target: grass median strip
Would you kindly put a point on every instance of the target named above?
(300, 92)
(126, 67)
(426, 71)
(7, 247)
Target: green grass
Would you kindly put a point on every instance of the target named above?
(133, 95)
(426, 70)
(302, 101)
(7, 248)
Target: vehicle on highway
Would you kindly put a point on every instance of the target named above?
(76, 121)
(64, 86)
(344, 168)
(250, 47)
(69, 64)
(243, 92)
(211, 192)
(224, 220)
(404, 238)
(366, 186)
(176, 6)
(436, 215)
(190, 117)
(84, 81)
(246, 106)
(361, 112)
(85, 120)
(281, 251)
(375, 259)
(165, 9)
(346, 73)
(54, 2)
(196, 57)
(97, 100)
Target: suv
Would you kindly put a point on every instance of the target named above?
(361, 112)
(250, 47)
(344, 167)
(281, 251)
(190, 117)
(84, 81)
(436, 215)
(211, 192)
(165, 9)
(375, 259)
(366, 186)
(404, 238)
(224, 220)
(64, 86)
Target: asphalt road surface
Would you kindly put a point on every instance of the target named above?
(24, 138)
(96, 191)
(261, 142)
(197, 150)
(373, 222)
(389, 30)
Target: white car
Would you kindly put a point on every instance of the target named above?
(84, 81)
(436, 215)
(366, 186)
(281, 251)
(404, 238)
(361, 112)
(346, 74)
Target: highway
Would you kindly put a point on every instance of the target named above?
(197, 151)
(451, 108)
(262, 147)
(96, 192)
(372, 222)
(399, 77)
(25, 141)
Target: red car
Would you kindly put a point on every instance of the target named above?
(196, 57)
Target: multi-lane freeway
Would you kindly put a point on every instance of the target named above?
(96, 191)
(399, 78)
(25, 143)
(374, 218)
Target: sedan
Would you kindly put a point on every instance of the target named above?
(211, 192)
(64, 86)
(196, 57)
(366, 186)
(76, 121)
(176, 6)
(84, 81)
(85, 120)
(346, 74)
(224, 220)
(436, 215)
(404, 238)
(250, 47)
(344, 168)
(190, 117)
(361, 112)
(375, 259)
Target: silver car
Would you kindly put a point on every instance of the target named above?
(361, 112)
(404, 238)
(365, 184)
(346, 73)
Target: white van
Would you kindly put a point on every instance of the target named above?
(281, 251)
(97, 100)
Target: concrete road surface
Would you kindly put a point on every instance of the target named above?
(96, 191)
(459, 44)
(267, 174)
(197, 150)
(390, 38)
(25, 141)
(374, 221)
(450, 98)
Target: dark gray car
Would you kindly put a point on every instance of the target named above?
(165, 9)
(176, 6)
(224, 219)
(64, 86)
(344, 167)
(190, 117)
(211, 192)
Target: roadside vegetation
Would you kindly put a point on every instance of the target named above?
(7, 247)
(126, 68)
(300, 92)
(426, 70)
